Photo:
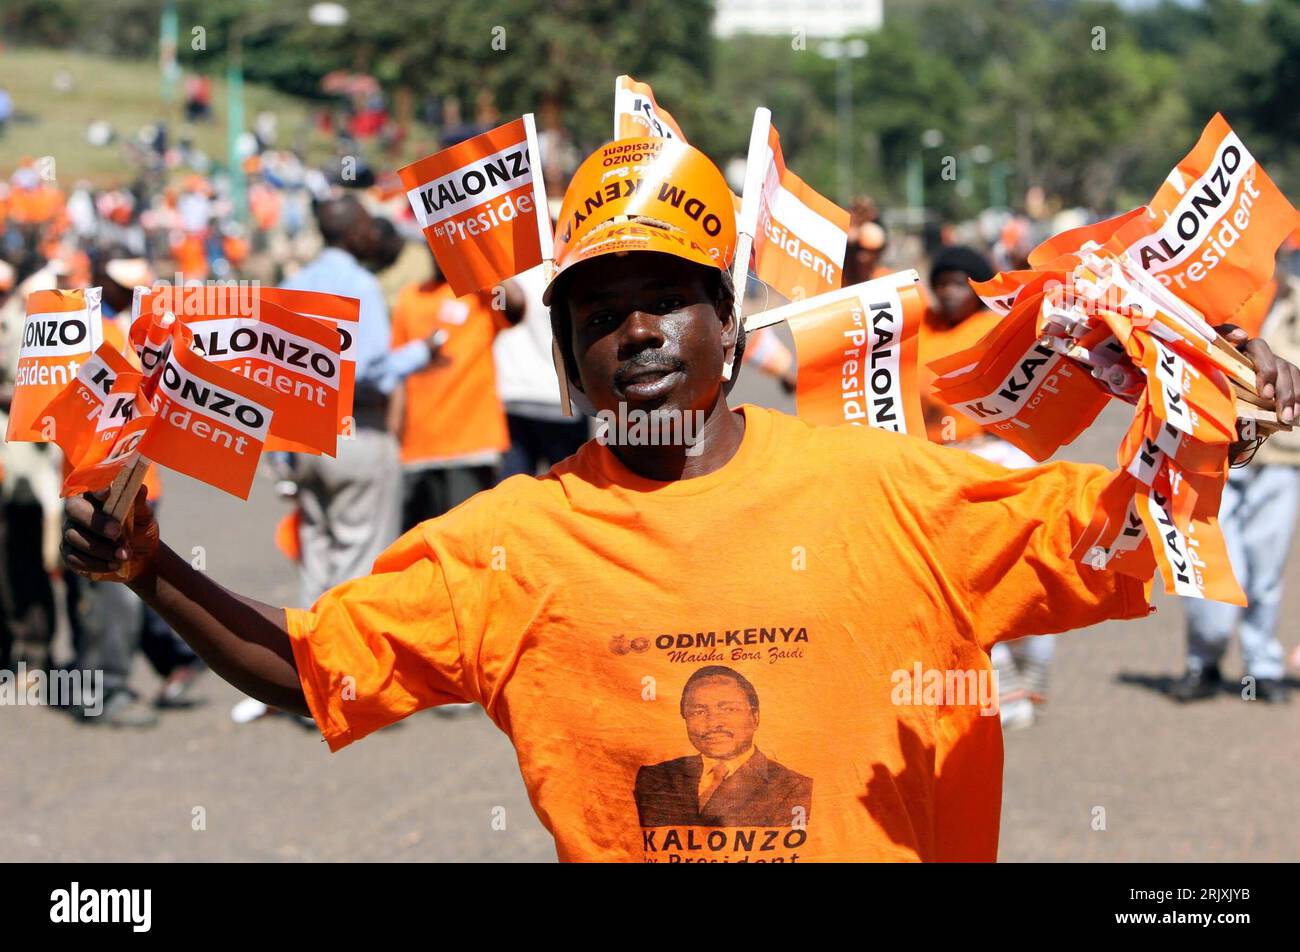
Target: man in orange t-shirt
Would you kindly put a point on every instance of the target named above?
(755, 640)
(448, 417)
(956, 322)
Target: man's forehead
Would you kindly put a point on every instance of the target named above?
(716, 681)
(631, 276)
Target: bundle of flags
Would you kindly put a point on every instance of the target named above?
(480, 204)
(199, 385)
(1123, 309)
(1118, 309)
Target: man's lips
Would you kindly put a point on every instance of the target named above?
(647, 382)
(644, 374)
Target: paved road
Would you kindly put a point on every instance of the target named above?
(1212, 782)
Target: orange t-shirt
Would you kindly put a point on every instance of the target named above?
(937, 340)
(452, 407)
(818, 566)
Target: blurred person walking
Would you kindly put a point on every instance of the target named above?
(351, 503)
(1258, 519)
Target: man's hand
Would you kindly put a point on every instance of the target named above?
(1276, 379)
(102, 548)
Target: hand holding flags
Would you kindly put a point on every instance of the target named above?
(1119, 309)
(169, 401)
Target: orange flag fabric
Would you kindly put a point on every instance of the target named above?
(801, 237)
(476, 204)
(636, 114)
(1211, 231)
(62, 330)
(210, 423)
(856, 349)
(295, 356)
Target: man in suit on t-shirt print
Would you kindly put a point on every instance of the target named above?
(729, 782)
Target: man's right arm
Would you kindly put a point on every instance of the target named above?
(244, 641)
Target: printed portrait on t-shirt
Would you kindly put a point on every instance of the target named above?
(728, 781)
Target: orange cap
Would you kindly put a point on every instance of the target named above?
(645, 194)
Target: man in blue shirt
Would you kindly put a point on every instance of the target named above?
(351, 503)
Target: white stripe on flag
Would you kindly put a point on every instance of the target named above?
(812, 229)
(455, 185)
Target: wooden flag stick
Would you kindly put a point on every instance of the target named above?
(1248, 411)
(121, 495)
(1249, 396)
(751, 201)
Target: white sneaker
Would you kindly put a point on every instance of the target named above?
(1017, 714)
(248, 710)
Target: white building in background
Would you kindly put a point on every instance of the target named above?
(822, 19)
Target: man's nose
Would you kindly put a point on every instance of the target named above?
(641, 331)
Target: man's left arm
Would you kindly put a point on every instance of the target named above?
(1012, 532)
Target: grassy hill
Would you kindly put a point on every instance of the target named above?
(127, 94)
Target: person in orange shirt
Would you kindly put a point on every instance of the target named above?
(956, 322)
(448, 417)
(852, 578)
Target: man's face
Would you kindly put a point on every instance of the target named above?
(956, 299)
(646, 333)
(719, 720)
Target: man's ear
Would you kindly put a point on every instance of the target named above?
(730, 328)
(730, 337)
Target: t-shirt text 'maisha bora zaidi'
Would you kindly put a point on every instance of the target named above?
(783, 660)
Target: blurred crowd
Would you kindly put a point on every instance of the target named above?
(455, 393)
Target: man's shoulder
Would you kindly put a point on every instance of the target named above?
(666, 770)
(838, 447)
(512, 499)
(778, 773)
